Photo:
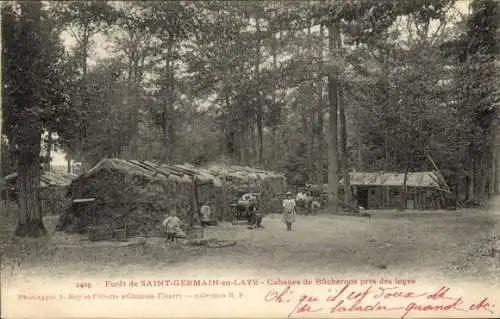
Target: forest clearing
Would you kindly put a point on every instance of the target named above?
(262, 137)
(458, 245)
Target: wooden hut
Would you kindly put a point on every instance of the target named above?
(424, 190)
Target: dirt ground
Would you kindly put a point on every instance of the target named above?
(458, 245)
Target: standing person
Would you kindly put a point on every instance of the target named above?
(173, 227)
(205, 215)
(300, 202)
(309, 203)
(289, 211)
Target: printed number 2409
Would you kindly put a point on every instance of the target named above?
(83, 285)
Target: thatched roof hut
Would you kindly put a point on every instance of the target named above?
(238, 180)
(137, 194)
(47, 179)
(53, 190)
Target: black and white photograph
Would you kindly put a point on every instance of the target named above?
(248, 159)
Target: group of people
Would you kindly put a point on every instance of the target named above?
(173, 225)
(306, 202)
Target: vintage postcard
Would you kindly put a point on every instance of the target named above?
(249, 159)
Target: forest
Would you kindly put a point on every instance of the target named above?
(316, 89)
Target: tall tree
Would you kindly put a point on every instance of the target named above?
(260, 111)
(344, 156)
(84, 19)
(476, 50)
(169, 23)
(333, 87)
(33, 94)
(135, 45)
(320, 112)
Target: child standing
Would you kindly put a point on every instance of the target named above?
(173, 227)
(205, 215)
(289, 211)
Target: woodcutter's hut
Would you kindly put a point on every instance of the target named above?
(237, 180)
(383, 190)
(135, 195)
(53, 190)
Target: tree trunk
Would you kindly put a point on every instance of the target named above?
(469, 192)
(321, 147)
(243, 143)
(253, 152)
(310, 156)
(343, 149)
(310, 127)
(130, 98)
(495, 173)
(83, 89)
(167, 118)
(230, 132)
(333, 33)
(482, 173)
(274, 128)
(30, 222)
(492, 166)
(320, 111)
(260, 137)
(29, 133)
(85, 48)
(402, 206)
(492, 181)
(49, 151)
(68, 163)
(133, 122)
(359, 142)
(136, 60)
(343, 130)
(280, 131)
(1, 144)
(274, 143)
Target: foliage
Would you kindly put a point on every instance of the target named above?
(51, 108)
(194, 81)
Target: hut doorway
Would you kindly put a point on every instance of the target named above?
(363, 197)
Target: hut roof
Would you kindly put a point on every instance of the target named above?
(149, 169)
(46, 179)
(414, 179)
(202, 173)
(242, 172)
